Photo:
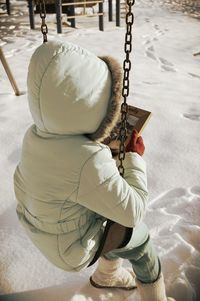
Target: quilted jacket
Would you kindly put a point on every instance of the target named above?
(67, 183)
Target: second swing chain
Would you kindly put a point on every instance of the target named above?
(125, 89)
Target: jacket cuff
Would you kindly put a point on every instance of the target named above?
(133, 160)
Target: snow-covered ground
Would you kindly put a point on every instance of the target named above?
(165, 79)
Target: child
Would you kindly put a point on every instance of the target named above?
(67, 183)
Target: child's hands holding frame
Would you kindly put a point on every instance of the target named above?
(136, 144)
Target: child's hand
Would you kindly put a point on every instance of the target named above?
(135, 144)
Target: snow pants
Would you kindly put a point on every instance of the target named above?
(141, 254)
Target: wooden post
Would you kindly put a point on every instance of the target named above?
(9, 73)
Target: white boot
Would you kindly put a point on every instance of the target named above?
(110, 274)
(153, 291)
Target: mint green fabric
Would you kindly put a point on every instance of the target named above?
(68, 89)
(67, 185)
(143, 257)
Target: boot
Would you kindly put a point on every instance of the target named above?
(153, 291)
(110, 274)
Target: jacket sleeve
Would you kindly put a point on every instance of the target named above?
(104, 191)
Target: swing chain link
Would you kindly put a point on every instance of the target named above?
(44, 28)
(125, 89)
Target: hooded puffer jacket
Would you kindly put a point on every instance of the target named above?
(67, 182)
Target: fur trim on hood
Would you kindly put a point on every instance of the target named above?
(114, 107)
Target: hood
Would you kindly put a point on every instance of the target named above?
(71, 91)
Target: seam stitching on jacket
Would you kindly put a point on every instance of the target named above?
(53, 57)
(39, 99)
(103, 183)
(46, 69)
(59, 253)
(102, 148)
(64, 204)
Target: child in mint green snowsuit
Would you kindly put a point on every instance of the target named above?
(67, 183)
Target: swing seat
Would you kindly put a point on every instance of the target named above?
(115, 236)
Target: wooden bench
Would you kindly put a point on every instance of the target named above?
(7, 3)
(67, 7)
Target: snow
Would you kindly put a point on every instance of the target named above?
(165, 79)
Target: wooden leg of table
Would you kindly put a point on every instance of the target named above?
(8, 6)
(58, 5)
(72, 13)
(117, 12)
(101, 23)
(110, 10)
(9, 73)
(31, 14)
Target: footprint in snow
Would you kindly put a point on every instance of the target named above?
(195, 117)
(158, 30)
(147, 42)
(195, 190)
(167, 68)
(194, 75)
(166, 65)
(165, 62)
(150, 52)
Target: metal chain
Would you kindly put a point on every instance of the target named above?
(126, 68)
(44, 28)
(125, 89)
